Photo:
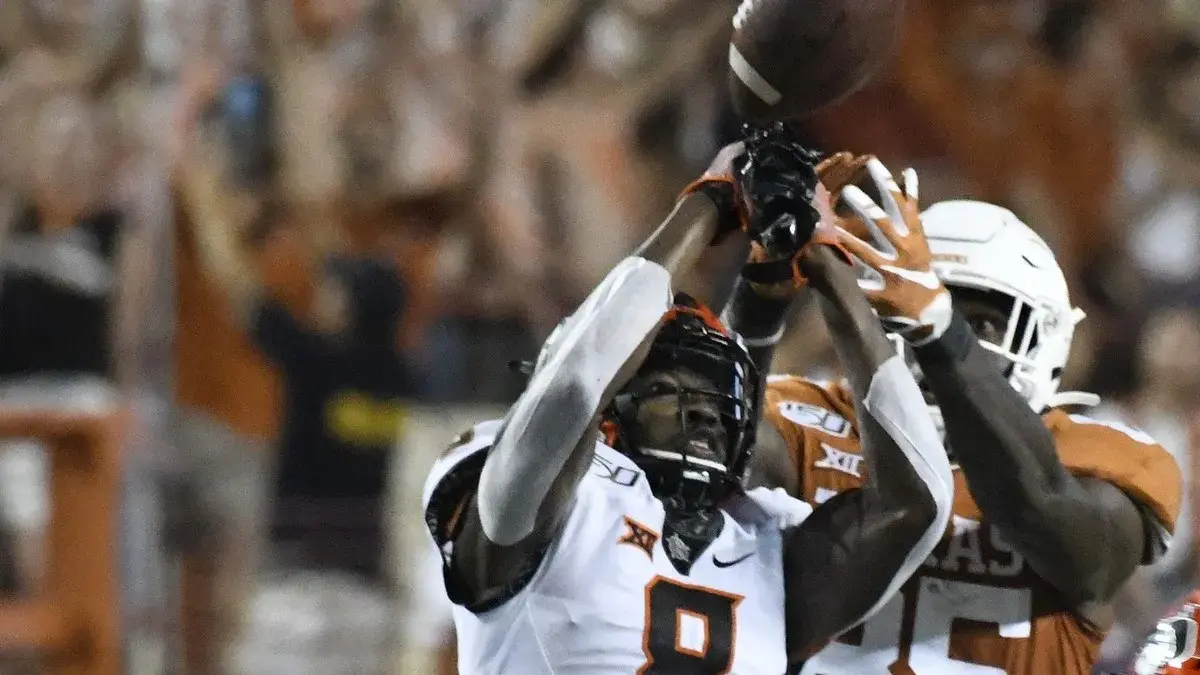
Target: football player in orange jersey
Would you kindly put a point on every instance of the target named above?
(1053, 511)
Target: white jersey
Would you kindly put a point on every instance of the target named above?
(606, 599)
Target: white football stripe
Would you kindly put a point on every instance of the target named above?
(750, 77)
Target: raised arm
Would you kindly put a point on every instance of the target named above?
(220, 218)
(142, 320)
(533, 468)
(762, 296)
(858, 548)
(1083, 535)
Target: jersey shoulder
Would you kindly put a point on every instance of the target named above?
(612, 487)
(1120, 454)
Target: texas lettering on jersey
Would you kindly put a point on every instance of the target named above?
(974, 607)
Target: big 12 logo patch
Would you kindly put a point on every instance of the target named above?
(815, 417)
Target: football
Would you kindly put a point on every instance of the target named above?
(788, 58)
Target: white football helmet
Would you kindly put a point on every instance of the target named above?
(985, 247)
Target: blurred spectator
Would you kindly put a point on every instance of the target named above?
(336, 343)
(1161, 171)
(89, 212)
(345, 385)
(83, 216)
(605, 109)
(319, 217)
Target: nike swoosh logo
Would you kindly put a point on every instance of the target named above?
(722, 564)
(927, 279)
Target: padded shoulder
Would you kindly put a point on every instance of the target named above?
(1122, 455)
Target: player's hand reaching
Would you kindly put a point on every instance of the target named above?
(720, 184)
(896, 266)
(841, 169)
(765, 186)
(779, 178)
(787, 208)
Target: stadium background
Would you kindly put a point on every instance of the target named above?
(498, 157)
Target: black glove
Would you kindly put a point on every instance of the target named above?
(779, 179)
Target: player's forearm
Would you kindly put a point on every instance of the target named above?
(759, 315)
(895, 521)
(910, 470)
(854, 328)
(1002, 444)
(1075, 534)
(683, 236)
(593, 355)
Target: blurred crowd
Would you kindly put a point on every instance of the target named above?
(278, 228)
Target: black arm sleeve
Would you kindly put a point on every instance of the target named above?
(852, 547)
(1084, 536)
(759, 320)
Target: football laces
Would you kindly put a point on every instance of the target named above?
(743, 13)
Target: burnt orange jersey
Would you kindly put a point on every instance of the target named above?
(974, 607)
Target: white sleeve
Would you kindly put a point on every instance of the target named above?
(896, 403)
(564, 395)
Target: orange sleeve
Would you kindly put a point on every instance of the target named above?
(1123, 456)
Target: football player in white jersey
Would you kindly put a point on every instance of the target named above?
(601, 527)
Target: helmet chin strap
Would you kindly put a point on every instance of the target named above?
(1079, 398)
